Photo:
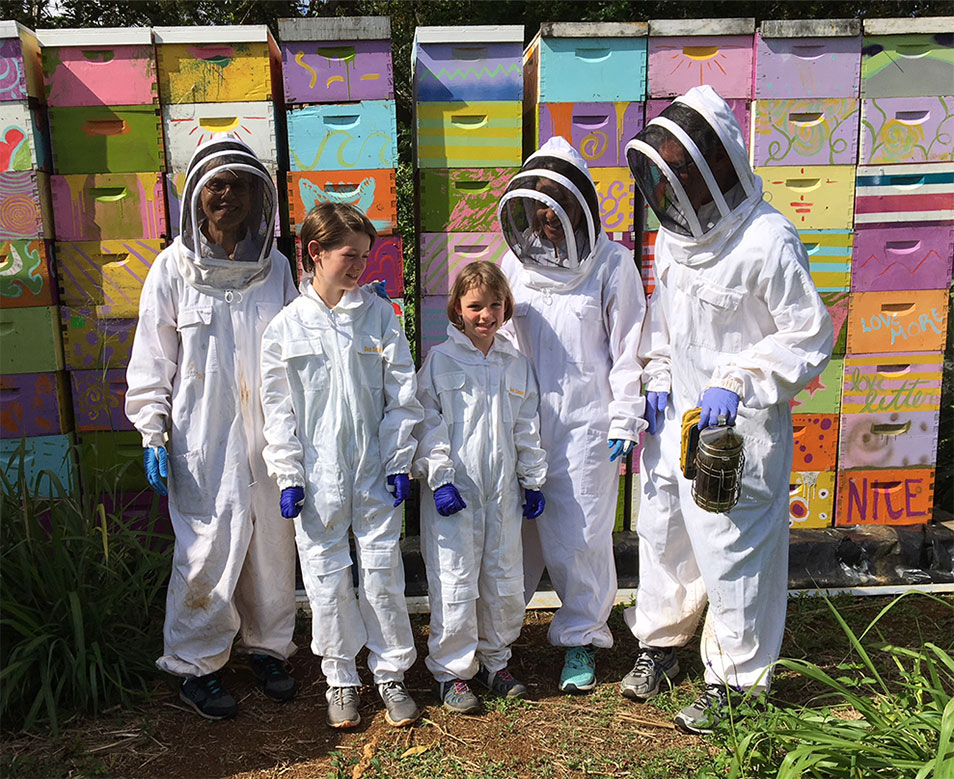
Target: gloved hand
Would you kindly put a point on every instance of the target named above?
(399, 485)
(533, 508)
(293, 498)
(380, 289)
(156, 462)
(620, 447)
(656, 403)
(448, 500)
(716, 401)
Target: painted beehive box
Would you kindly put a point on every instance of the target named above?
(688, 53)
(343, 136)
(33, 404)
(108, 205)
(469, 135)
(216, 64)
(888, 194)
(20, 64)
(468, 63)
(25, 205)
(188, 125)
(99, 399)
(816, 197)
(26, 275)
(811, 501)
(336, 60)
(837, 305)
(385, 263)
(806, 132)
(646, 261)
(814, 59)
(891, 439)
(113, 459)
(900, 382)
(444, 255)
(24, 134)
(741, 109)
(919, 61)
(598, 131)
(45, 463)
(829, 258)
(106, 276)
(615, 190)
(31, 340)
(106, 139)
(902, 257)
(816, 442)
(907, 129)
(903, 321)
(433, 321)
(822, 395)
(903, 496)
(456, 200)
(90, 342)
(373, 191)
(101, 66)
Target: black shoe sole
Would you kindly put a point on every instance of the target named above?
(213, 717)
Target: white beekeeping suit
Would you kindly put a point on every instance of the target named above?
(579, 307)
(339, 391)
(734, 308)
(194, 376)
(481, 433)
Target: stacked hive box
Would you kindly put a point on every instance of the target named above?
(468, 88)
(901, 273)
(342, 129)
(35, 420)
(805, 146)
(586, 82)
(110, 225)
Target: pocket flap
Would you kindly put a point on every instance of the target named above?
(521, 308)
(379, 559)
(195, 316)
(302, 347)
(721, 297)
(445, 382)
(510, 587)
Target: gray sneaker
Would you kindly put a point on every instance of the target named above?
(708, 710)
(651, 668)
(400, 709)
(343, 707)
(501, 683)
(457, 696)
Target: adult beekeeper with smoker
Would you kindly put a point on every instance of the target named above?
(578, 309)
(194, 377)
(736, 327)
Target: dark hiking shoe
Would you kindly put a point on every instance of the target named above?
(208, 697)
(501, 683)
(276, 682)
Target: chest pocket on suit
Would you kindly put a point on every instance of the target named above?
(198, 342)
(371, 360)
(585, 335)
(714, 316)
(516, 391)
(305, 358)
(450, 392)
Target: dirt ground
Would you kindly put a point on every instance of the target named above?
(599, 734)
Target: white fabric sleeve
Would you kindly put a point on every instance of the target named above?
(654, 348)
(623, 311)
(283, 453)
(155, 354)
(402, 411)
(776, 368)
(531, 459)
(433, 462)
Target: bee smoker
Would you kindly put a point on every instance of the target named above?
(719, 460)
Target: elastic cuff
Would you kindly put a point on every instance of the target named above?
(730, 383)
(658, 384)
(284, 482)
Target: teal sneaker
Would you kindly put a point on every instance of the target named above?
(579, 670)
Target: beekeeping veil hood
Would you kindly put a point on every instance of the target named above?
(204, 264)
(691, 165)
(550, 213)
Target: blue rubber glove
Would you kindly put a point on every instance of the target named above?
(399, 485)
(620, 447)
(656, 403)
(448, 500)
(156, 462)
(293, 498)
(380, 289)
(535, 504)
(715, 402)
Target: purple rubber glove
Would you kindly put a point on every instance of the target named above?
(620, 447)
(448, 500)
(535, 504)
(656, 403)
(718, 402)
(156, 462)
(293, 498)
(399, 485)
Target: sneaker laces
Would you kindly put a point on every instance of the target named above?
(714, 697)
(394, 691)
(211, 683)
(647, 660)
(503, 674)
(460, 687)
(343, 695)
(272, 666)
(579, 657)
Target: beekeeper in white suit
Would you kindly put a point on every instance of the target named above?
(578, 311)
(734, 326)
(193, 380)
